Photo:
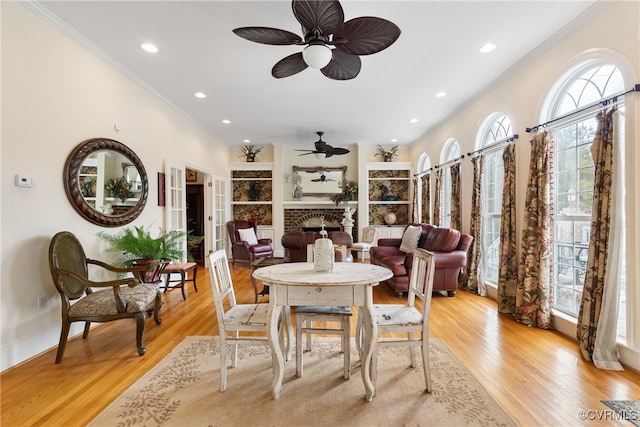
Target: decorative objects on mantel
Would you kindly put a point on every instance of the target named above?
(349, 192)
(297, 187)
(387, 155)
(249, 152)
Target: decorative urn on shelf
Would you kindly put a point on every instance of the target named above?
(390, 218)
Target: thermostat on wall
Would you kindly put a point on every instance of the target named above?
(24, 181)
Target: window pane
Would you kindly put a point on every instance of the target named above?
(573, 180)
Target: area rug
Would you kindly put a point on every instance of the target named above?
(184, 390)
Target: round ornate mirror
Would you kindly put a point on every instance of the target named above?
(106, 182)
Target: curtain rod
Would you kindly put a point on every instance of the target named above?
(495, 146)
(419, 174)
(604, 102)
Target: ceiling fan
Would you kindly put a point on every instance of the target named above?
(323, 26)
(323, 178)
(323, 149)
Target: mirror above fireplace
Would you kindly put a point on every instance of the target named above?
(320, 181)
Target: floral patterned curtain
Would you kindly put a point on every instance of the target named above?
(426, 198)
(508, 273)
(456, 210)
(414, 210)
(595, 299)
(437, 202)
(475, 283)
(533, 305)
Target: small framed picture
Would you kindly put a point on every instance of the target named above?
(161, 200)
(192, 176)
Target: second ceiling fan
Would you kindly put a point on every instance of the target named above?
(323, 26)
(322, 149)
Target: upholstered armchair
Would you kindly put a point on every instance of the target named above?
(120, 298)
(245, 246)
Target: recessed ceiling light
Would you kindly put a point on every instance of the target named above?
(151, 48)
(226, 122)
(200, 95)
(246, 141)
(414, 121)
(441, 94)
(487, 48)
(394, 140)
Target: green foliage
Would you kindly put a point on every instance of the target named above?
(138, 243)
(349, 192)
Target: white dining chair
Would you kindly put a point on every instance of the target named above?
(406, 318)
(306, 315)
(238, 318)
(368, 238)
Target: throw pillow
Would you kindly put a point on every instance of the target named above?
(248, 235)
(410, 238)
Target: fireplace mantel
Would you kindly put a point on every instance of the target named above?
(317, 204)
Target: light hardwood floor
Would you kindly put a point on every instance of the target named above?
(537, 376)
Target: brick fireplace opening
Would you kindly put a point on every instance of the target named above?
(301, 219)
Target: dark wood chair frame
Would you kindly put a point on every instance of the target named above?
(69, 270)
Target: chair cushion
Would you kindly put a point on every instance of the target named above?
(410, 238)
(102, 303)
(361, 245)
(248, 235)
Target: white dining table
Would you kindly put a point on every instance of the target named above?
(348, 284)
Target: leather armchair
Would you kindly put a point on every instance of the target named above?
(242, 250)
(449, 246)
(295, 243)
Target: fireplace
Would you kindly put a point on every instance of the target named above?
(297, 219)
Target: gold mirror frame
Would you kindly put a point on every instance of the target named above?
(74, 192)
(333, 188)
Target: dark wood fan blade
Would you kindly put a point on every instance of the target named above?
(289, 66)
(325, 16)
(366, 35)
(266, 35)
(343, 66)
(338, 151)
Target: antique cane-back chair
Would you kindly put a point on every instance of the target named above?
(238, 318)
(124, 298)
(406, 318)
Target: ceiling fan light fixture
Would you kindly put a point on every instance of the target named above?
(321, 155)
(317, 55)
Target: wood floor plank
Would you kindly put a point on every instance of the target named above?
(537, 376)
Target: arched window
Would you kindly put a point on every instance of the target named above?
(423, 190)
(495, 129)
(573, 173)
(451, 151)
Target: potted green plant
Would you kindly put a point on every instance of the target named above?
(387, 155)
(349, 192)
(250, 151)
(137, 243)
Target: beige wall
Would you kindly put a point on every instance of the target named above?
(56, 94)
(614, 33)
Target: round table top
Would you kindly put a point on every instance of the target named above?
(303, 274)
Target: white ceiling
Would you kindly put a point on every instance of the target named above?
(438, 50)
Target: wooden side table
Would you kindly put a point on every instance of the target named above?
(183, 269)
(262, 262)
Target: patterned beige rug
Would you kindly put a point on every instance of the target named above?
(183, 390)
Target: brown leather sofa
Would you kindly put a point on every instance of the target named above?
(295, 243)
(450, 247)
